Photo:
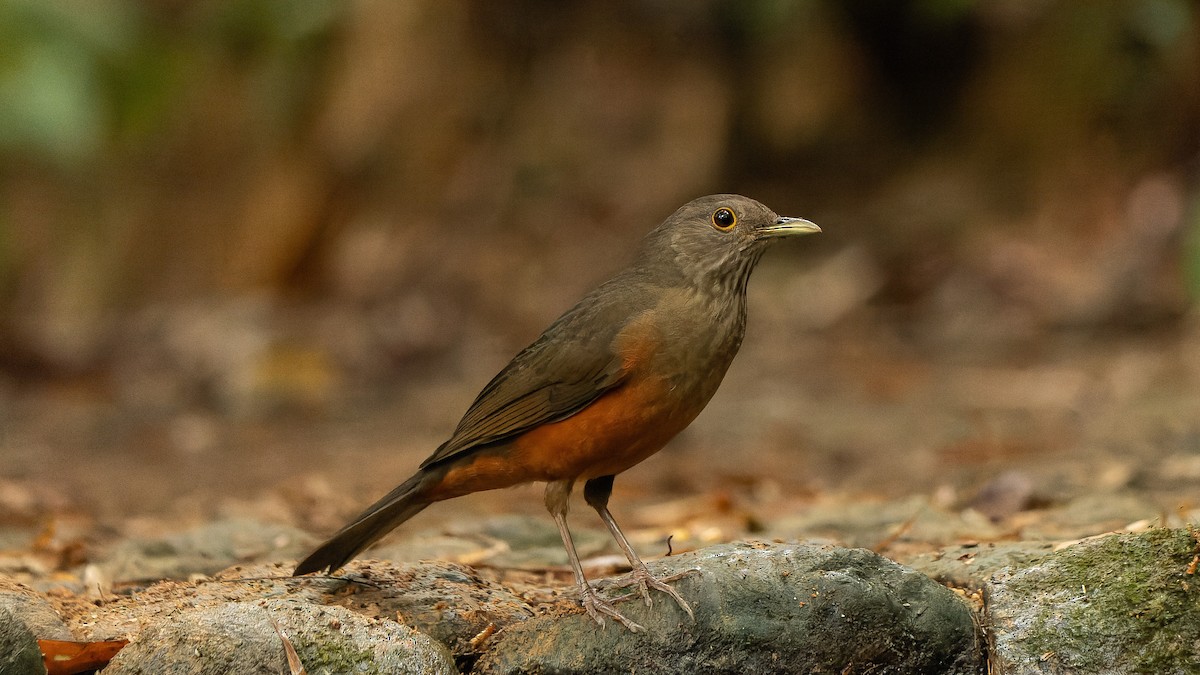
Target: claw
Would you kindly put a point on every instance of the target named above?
(598, 607)
(644, 580)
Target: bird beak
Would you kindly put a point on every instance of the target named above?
(787, 227)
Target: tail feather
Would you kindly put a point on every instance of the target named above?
(397, 506)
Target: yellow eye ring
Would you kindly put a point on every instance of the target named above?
(724, 219)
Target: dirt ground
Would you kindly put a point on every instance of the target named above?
(862, 434)
(841, 419)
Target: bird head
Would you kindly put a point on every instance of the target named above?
(718, 239)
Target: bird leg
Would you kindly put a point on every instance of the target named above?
(557, 501)
(597, 492)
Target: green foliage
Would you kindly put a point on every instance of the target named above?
(52, 73)
(77, 77)
(1191, 253)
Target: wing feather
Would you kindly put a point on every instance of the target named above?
(555, 377)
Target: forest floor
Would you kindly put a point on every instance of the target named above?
(848, 436)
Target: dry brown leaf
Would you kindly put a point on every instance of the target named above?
(64, 657)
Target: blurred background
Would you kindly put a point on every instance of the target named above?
(261, 255)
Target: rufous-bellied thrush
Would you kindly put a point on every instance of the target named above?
(604, 387)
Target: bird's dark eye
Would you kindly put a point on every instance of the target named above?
(724, 219)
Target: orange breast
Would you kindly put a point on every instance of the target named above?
(618, 430)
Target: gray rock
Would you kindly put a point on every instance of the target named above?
(33, 611)
(511, 541)
(972, 565)
(25, 617)
(447, 601)
(1092, 514)
(534, 541)
(915, 519)
(19, 651)
(240, 638)
(762, 609)
(1120, 604)
(203, 550)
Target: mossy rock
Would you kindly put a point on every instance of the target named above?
(762, 608)
(1127, 603)
(245, 638)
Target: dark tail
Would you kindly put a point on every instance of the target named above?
(397, 506)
